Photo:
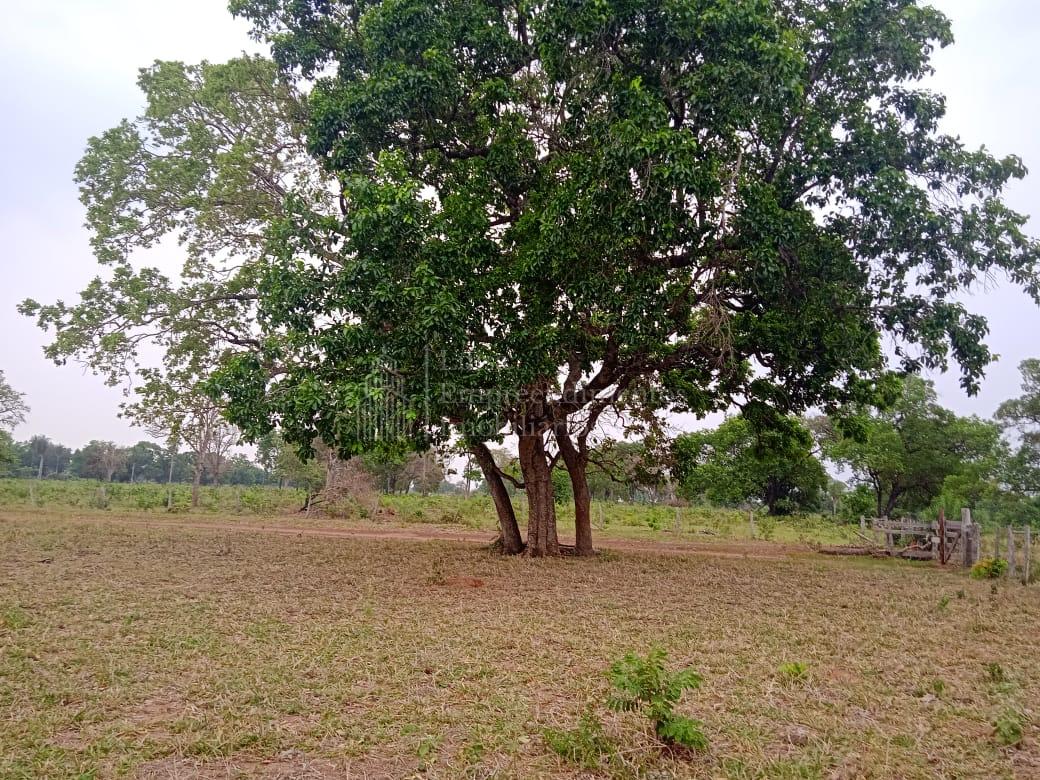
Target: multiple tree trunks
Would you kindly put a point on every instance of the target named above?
(542, 539)
(536, 468)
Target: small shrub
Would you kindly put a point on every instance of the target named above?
(99, 500)
(654, 521)
(995, 673)
(793, 672)
(989, 569)
(1008, 728)
(586, 745)
(645, 685)
(944, 602)
(452, 518)
(765, 527)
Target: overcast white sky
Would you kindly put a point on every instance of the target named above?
(69, 69)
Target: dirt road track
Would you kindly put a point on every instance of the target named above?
(757, 550)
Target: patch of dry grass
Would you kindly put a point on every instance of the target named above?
(162, 652)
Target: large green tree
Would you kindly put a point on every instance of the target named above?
(735, 463)
(549, 205)
(210, 163)
(516, 217)
(908, 451)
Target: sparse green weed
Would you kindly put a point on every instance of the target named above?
(793, 672)
(989, 569)
(1008, 727)
(585, 745)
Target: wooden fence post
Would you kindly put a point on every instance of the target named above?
(969, 545)
(1011, 551)
(1025, 554)
(862, 523)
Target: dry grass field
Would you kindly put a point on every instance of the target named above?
(141, 651)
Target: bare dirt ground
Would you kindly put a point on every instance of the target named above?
(131, 647)
(421, 533)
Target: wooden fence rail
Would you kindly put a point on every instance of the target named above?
(943, 540)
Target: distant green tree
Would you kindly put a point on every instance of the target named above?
(41, 457)
(8, 454)
(471, 474)
(291, 469)
(388, 470)
(38, 450)
(242, 471)
(145, 462)
(267, 453)
(737, 462)
(100, 460)
(423, 472)
(1022, 415)
(859, 502)
(620, 468)
(836, 491)
(12, 405)
(906, 452)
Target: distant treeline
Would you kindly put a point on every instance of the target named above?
(143, 462)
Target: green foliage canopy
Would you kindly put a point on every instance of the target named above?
(736, 463)
(907, 452)
(732, 199)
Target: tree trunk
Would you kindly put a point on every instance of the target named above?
(195, 482)
(541, 515)
(39, 471)
(512, 543)
(890, 505)
(577, 468)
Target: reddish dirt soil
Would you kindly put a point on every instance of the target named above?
(729, 549)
